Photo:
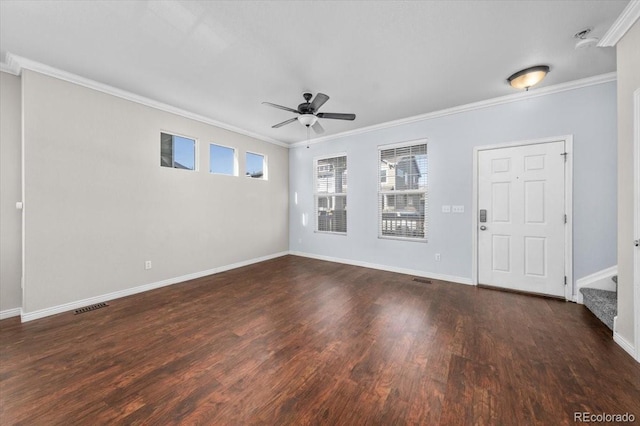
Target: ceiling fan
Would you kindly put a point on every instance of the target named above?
(308, 112)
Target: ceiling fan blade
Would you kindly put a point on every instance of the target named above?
(336, 116)
(291, 120)
(318, 101)
(317, 127)
(281, 107)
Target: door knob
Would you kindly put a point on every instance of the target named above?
(483, 228)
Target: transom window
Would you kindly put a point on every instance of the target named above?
(402, 192)
(331, 194)
(177, 152)
(222, 160)
(256, 166)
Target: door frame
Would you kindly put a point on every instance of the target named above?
(568, 202)
(636, 255)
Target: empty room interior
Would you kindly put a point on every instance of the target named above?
(319, 212)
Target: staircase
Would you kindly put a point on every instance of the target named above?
(603, 303)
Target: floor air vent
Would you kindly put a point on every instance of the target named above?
(90, 308)
(422, 280)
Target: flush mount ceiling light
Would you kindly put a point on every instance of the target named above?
(528, 77)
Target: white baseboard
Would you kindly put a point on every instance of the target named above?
(442, 277)
(624, 344)
(41, 313)
(600, 280)
(8, 313)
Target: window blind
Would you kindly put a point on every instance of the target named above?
(331, 194)
(402, 192)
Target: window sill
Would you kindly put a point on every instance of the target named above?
(343, 234)
(413, 240)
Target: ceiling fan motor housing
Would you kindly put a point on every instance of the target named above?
(305, 108)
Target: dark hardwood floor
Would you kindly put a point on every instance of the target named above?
(301, 341)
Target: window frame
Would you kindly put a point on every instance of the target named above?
(196, 157)
(395, 192)
(235, 160)
(317, 194)
(265, 166)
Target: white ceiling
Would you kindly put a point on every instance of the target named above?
(382, 60)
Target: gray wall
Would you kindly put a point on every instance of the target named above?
(10, 192)
(589, 114)
(628, 81)
(98, 204)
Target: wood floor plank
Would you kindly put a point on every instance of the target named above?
(304, 342)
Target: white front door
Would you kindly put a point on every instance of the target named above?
(521, 244)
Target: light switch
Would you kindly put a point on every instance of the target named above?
(458, 209)
(446, 209)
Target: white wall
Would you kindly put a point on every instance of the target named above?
(628, 81)
(10, 193)
(588, 113)
(98, 204)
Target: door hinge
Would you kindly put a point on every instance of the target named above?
(564, 154)
(565, 280)
(565, 218)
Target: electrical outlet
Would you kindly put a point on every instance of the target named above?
(446, 209)
(437, 257)
(147, 264)
(457, 209)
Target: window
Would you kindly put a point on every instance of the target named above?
(255, 166)
(222, 160)
(331, 194)
(177, 152)
(402, 192)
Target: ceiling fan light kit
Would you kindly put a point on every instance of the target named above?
(308, 114)
(528, 77)
(307, 119)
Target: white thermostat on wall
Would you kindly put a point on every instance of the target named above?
(19, 205)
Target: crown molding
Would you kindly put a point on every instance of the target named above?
(15, 64)
(562, 87)
(8, 68)
(18, 63)
(619, 28)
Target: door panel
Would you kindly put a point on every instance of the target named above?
(534, 202)
(522, 246)
(501, 201)
(501, 253)
(535, 256)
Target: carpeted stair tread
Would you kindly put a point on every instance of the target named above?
(603, 304)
